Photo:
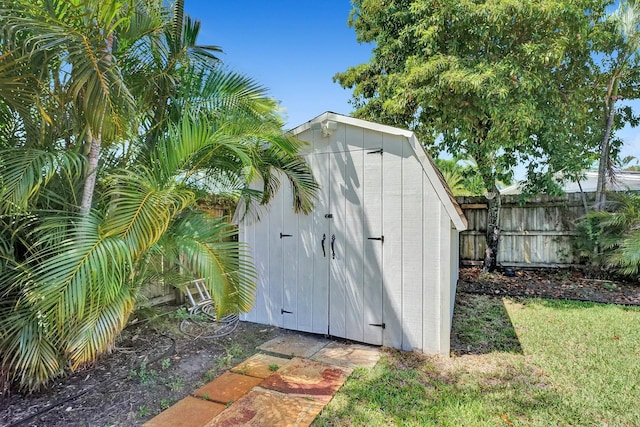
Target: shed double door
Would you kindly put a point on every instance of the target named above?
(337, 287)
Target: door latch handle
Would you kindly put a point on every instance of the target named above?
(381, 238)
(324, 237)
(285, 235)
(283, 311)
(333, 251)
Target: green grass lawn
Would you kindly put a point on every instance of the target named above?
(518, 362)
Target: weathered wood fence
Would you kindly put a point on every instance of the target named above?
(160, 292)
(535, 234)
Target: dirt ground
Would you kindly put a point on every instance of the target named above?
(154, 365)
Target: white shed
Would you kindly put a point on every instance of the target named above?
(377, 259)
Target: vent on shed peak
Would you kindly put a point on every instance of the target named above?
(327, 127)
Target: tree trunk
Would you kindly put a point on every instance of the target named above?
(603, 167)
(493, 230)
(601, 196)
(583, 197)
(91, 172)
(95, 141)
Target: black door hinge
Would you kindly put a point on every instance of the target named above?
(285, 235)
(328, 215)
(380, 325)
(283, 311)
(381, 238)
(379, 151)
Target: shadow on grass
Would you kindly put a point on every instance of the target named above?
(482, 325)
(487, 382)
(409, 389)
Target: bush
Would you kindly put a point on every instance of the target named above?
(610, 240)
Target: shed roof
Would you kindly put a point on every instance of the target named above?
(622, 181)
(431, 170)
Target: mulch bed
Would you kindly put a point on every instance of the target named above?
(554, 284)
(152, 367)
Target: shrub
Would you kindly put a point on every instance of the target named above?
(610, 239)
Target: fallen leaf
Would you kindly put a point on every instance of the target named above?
(506, 419)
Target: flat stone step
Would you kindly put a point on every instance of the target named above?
(189, 412)
(306, 378)
(348, 355)
(260, 365)
(255, 393)
(269, 408)
(227, 388)
(294, 345)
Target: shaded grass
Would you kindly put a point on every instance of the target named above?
(570, 363)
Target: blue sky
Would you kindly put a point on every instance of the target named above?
(294, 48)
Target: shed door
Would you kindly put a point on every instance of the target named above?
(355, 267)
(305, 286)
(332, 272)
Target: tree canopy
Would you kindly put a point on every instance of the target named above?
(501, 82)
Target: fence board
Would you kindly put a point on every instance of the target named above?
(535, 233)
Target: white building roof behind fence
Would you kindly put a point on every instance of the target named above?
(623, 181)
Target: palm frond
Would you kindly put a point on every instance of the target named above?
(626, 257)
(29, 348)
(24, 171)
(220, 90)
(80, 271)
(210, 254)
(141, 208)
(275, 163)
(87, 339)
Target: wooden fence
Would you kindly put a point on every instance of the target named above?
(535, 234)
(160, 292)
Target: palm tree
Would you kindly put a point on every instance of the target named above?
(70, 278)
(167, 59)
(611, 238)
(460, 176)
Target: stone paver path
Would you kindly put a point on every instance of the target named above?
(267, 390)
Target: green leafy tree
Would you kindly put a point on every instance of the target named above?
(500, 82)
(620, 71)
(70, 277)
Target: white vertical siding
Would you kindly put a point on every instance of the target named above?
(392, 230)
(432, 239)
(320, 277)
(413, 195)
(261, 257)
(305, 260)
(290, 251)
(338, 228)
(337, 280)
(373, 249)
(354, 240)
(276, 267)
(444, 304)
(454, 263)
